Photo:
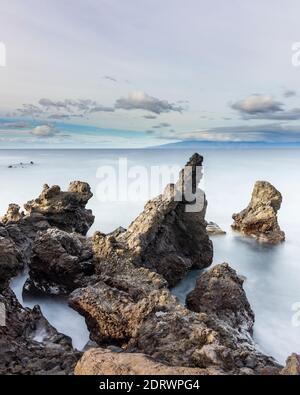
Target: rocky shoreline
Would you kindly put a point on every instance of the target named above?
(120, 282)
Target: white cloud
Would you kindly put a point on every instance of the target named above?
(266, 107)
(258, 104)
(44, 131)
(142, 101)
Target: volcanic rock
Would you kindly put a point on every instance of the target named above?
(13, 214)
(214, 229)
(219, 292)
(27, 224)
(115, 306)
(14, 252)
(259, 219)
(139, 313)
(169, 236)
(120, 284)
(10, 260)
(60, 262)
(29, 344)
(130, 304)
(292, 367)
(101, 361)
(64, 210)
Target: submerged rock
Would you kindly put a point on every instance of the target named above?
(20, 165)
(219, 292)
(29, 344)
(101, 361)
(169, 236)
(60, 262)
(259, 219)
(64, 210)
(214, 229)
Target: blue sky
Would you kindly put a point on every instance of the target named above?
(146, 72)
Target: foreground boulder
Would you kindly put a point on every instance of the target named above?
(132, 308)
(64, 210)
(29, 344)
(101, 361)
(259, 219)
(116, 305)
(292, 367)
(219, 292)
(60, 262)
(169, 236)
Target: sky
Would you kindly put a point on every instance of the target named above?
(134, 73)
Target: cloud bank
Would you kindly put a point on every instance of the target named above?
(142, 101)
(82, 108)
(265, 107)
(269, 133)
